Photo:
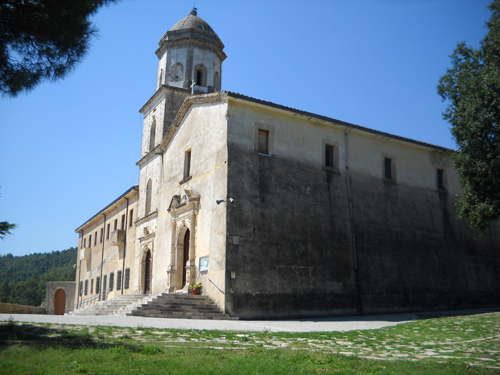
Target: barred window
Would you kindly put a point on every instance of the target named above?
(81, 287)
(118, 280)
(86, 287)
(104, 280)
(127, 278)
(98, 284)
(111, 281)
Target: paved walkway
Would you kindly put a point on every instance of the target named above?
(301, 325)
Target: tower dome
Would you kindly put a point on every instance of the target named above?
(192, 22)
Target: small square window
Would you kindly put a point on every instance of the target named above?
(440, 179)
(263, 142)
(389, 168)
(264, 138)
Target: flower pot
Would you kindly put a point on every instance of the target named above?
(195, 291)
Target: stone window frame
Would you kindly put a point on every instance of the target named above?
(152, 135)
(336, 153)
(203, 76)
(271, 129)
(444, 179)
(393, 179)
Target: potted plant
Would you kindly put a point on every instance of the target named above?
(195, 288)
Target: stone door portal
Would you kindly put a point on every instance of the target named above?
(147, 273)
(59, 302)
(185, 257)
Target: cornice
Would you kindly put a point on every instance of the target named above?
(157, 96)
(152, 215)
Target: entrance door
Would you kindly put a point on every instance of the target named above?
(185, 258)
(59, 302)
(147, 273)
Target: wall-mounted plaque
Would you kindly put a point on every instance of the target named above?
(204, 263)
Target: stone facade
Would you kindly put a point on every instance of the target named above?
(59, 297)
(279, 212)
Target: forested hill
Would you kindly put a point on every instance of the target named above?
(22, 279)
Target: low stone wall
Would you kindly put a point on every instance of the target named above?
(9, 308)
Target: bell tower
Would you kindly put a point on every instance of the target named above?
(190, 58)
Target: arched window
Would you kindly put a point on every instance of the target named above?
(201, 75)
(216, 81)
(176, 73)
(152, 135)
(149, 190)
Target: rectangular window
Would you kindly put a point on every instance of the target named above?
(440, 179)
(92, 286)
(123, 221)
(263, 142)
(104, 283)
(116, 224)
(86, 287)
(388, 168)
(81, 287)
(98, 285)
(329, 156)
(118, 280)
(111, 281)
(100, 237)
(131, 217)
(90, 241)
(95, 238)
(84, 242)
(187, 164)
(127, 278)
(107, 233)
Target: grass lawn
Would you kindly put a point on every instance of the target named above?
(451, 345)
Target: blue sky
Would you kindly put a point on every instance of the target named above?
(68, 149)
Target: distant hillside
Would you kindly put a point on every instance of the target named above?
(22, 279)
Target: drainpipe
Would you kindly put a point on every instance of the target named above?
(79, 270)
(102, 253)
(351, 222)
(124, 247)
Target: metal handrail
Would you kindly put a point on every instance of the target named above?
(213, 282)
(90, 301)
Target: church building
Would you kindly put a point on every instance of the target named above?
(278, 212)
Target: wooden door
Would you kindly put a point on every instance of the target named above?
(59, 302)
(147, 274)
(185, 258)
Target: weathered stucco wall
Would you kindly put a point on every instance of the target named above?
(203, 131)
(104, 257)
(292, 247)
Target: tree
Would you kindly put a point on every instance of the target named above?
(5, 228)
(43, 39)
(472, 87)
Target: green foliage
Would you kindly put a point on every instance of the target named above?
(22, 279)
(472, 87)
(43, 39)
(5, 228)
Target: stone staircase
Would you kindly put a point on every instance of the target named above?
(175, 306)
(111, 306)
(178, 306)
